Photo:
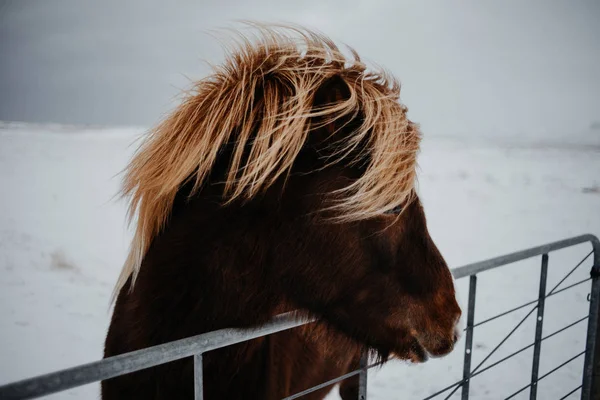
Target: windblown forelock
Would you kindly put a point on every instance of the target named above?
(285, 67)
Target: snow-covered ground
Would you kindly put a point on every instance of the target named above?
(63, 239)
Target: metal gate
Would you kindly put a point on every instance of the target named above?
(196, 346)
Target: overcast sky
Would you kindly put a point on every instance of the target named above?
(492, 67)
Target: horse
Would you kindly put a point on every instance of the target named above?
(284, 181)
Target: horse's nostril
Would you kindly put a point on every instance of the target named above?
(459, 324)
(457, 334)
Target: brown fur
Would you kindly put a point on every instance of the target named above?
(263, 193)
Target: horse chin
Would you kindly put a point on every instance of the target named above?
(416, 354)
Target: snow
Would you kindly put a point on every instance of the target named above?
(63, 238)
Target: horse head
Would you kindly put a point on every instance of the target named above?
(319, 151)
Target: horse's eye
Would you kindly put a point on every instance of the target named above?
(395, 210)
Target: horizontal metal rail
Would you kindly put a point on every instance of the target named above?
(194, 346)
(141, 359)
(476, 268)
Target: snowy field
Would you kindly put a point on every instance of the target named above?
(63, 239)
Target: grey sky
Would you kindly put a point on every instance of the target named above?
(484, 67)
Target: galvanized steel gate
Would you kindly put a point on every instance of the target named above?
(197, 345)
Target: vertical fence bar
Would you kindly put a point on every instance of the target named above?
(469, 338)
(590, 388)
(362, 377)
(198, 378)
(539, 324)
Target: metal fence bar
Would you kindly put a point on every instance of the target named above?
(454, 385)
(529, 303)
(591, 365)
(475, 268)
(522, 349)
(537, 347)
(573, 270)
(469, 338)
(323, 385)
(465, 382)
(198, 377)
(546, 374)
(476, 372)
(142, 359)
(570, 393)
(362, 377)
(331, 382)
(457, 384)
(530, 312)
(553, 291)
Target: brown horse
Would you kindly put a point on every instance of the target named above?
(285, 181)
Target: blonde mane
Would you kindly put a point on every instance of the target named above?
(287, 66)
